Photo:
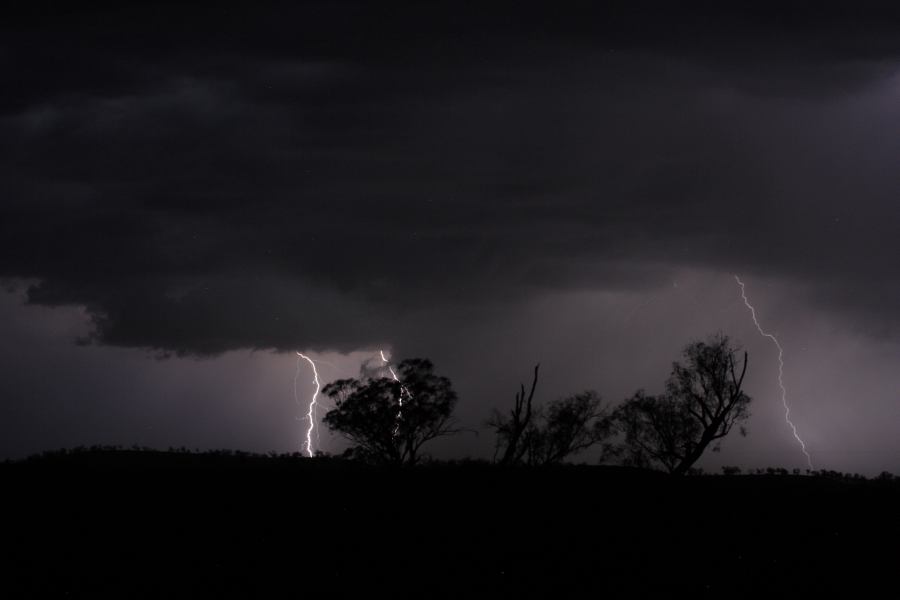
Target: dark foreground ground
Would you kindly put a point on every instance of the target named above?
(154, 525)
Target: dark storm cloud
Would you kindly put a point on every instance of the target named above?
(203, 180)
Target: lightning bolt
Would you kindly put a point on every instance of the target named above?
(310, 415)
(403, 389)
(393, 374)
(787, 409)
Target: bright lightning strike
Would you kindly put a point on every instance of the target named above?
(310, 415)
(787, 409)
(403, 389)
(390, 368)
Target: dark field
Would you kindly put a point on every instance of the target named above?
(159, 525)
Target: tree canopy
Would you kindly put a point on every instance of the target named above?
(387, 420)
(702, 402)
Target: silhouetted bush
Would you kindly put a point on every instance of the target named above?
(549, 435)
(566, 427)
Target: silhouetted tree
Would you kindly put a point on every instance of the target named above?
(567, 427)
(543, 436)
(656, 430)
(511, 430)
(389, 421)
(702, 403)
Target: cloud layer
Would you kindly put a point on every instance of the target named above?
(307, 177)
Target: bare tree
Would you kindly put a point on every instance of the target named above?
(541, 436)
(702, 403)
(511, 430)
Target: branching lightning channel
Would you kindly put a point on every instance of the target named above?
(787, 409)
(394, 375)
(403, 389)
(311, 412)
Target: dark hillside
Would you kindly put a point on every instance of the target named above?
(161, 525)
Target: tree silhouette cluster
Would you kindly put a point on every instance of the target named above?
(388, 421)
(548, 435)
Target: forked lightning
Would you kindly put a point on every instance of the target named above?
(787, 409)
(311, 412)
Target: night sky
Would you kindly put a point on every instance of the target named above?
(188, 195)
